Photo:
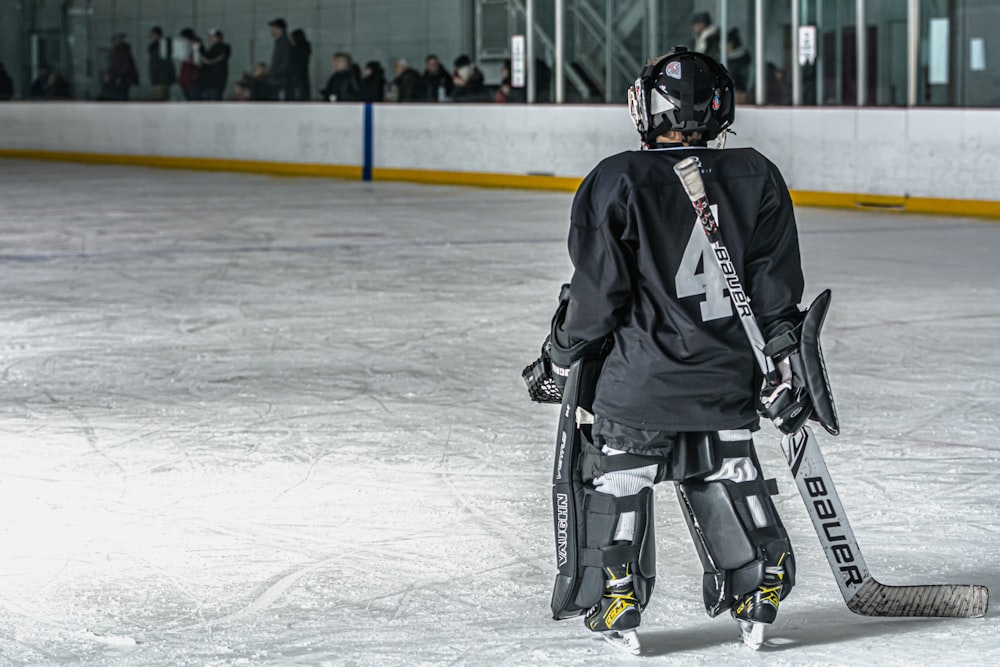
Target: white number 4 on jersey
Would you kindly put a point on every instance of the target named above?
(709, 281)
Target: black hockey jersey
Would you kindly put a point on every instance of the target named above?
(643, 272)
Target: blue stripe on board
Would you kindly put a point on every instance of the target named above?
(366, 168)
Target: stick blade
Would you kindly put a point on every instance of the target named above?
(939, 601)
(689, 171)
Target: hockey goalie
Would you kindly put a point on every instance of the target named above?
(648, 355)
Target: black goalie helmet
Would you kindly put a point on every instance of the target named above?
(682, 90)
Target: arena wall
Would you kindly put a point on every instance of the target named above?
(925, 160)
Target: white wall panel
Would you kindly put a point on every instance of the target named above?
(939, 153)
(934, 153)
(564, 141)
(324, 134)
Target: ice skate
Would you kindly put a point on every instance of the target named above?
(759, 609)
(617, 613)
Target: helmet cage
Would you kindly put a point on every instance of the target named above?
(638, 106)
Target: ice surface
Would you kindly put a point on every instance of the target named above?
(247, 420)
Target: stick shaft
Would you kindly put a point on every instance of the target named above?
(689, 172)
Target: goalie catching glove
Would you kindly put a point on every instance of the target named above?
(800, 389)
(546, 376)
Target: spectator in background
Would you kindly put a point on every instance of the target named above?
(301, 52)
(408, 86)
(282, 60)
(6, 85)
(373, 82)
(186, 52)
(508, 94)
(255, 86)
(40, 83)
(706, 36)
(344, 85)
(777, 86)
(214, 70)
(121, 72)
(161, 65)
(58, 88)
(543, 81)
(436, 80)
(469, 83)
(738, 62)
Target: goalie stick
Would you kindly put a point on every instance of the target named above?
(863, 594)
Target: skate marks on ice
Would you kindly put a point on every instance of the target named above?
(298, 499)
(320, 449)
(797, 630)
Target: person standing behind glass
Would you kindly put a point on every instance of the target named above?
(373, 82)
(706, 36)
(214, 67)
(738, 63)
(41, 81)
(120, 74)
(187, 53)
(6, 85)
(437, 81)
(282, 60)
(301, 52)
(161, 65)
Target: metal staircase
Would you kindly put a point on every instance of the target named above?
(603, 46)
(608, 36)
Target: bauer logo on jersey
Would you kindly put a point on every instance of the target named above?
(673, 69)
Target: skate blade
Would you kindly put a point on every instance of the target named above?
(626, 640)
(752, 634)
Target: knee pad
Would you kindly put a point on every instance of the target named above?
(735, 526)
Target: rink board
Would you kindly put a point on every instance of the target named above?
(896, 159)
